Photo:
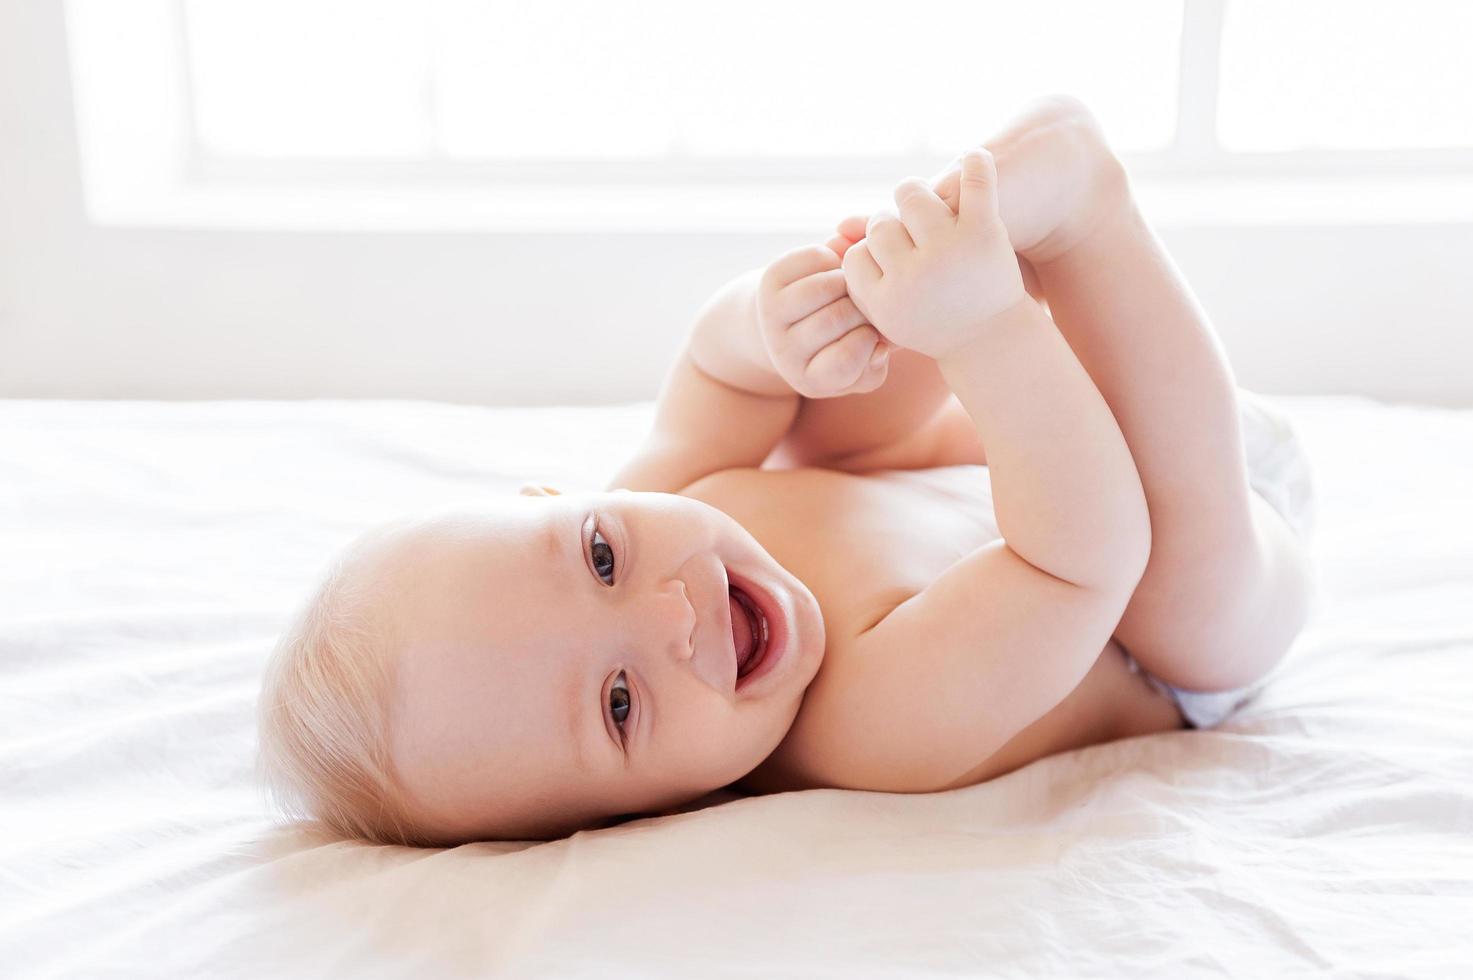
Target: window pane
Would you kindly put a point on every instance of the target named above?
(294, 78)
(581, 78)
(552, 79)
(1346, 74)
(647, 79)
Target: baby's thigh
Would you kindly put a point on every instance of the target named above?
(1217, 609)
(1112, 701)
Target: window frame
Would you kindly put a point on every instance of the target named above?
(143, 163)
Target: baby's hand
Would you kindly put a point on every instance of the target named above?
(931, 279)
(947, 187)
(849, 231)
(817, 339)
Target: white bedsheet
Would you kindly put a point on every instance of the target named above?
(150, 552)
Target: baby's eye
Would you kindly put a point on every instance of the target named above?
(619, 700)
(603, 558)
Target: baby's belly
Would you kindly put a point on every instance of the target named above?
(1111, 702)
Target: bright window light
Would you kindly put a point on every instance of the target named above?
(1337, 74)
(763, 116)
(655, 79)
(288, 78)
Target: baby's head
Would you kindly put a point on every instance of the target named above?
(467, 676)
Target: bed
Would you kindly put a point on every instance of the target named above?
(150, 552)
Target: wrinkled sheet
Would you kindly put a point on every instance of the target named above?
(150, 552)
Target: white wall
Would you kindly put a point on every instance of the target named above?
(87, 312)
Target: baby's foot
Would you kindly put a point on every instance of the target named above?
(1057, 177)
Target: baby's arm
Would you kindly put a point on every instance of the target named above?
(952, 673)
(782, 358)
(765, 340)
(721, 405)
(729, 399)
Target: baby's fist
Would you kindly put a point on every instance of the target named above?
(931, 279)
(816, 337)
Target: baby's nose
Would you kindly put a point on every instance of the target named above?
(675, 619)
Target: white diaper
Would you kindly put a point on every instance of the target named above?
(1278, 467)
(1206, 709)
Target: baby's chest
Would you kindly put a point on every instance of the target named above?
(885, 538)
(865, 543)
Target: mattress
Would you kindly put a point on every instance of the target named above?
(150, 553)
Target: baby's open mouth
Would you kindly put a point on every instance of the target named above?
(748, 631)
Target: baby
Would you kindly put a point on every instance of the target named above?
(806, 577)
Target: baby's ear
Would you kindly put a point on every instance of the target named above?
(533, 490)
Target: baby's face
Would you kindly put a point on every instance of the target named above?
(563, 659)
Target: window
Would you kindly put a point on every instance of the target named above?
(764, 115)
(660, 79)
(1325, 74)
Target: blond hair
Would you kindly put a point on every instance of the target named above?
(323, 717)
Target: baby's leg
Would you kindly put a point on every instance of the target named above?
(1228, 583)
